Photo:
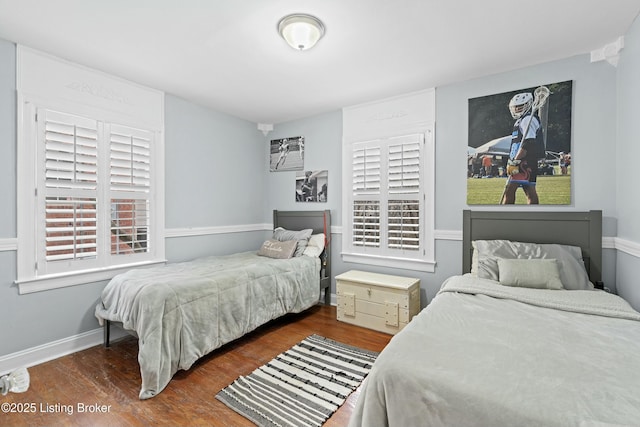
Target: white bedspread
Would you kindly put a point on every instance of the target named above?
(182, 311)
(482, 354)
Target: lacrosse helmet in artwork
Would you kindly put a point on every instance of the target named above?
(520, 104)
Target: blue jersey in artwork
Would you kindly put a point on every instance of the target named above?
(532, 143)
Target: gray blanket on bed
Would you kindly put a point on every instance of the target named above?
(180, 312)
(482, 354)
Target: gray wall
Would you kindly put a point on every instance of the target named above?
(594, 124)
(214, 172)
(214, 178)
(217, 175)
(626, 164)
(593, 129)
(322, 151)
(7, 138)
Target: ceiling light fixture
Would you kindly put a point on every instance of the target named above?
(301, 31)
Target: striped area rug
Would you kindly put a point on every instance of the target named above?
(303, 386)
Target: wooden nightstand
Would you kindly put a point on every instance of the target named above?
(377, 301)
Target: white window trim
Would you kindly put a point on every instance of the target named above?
(423, 261)
(412, 113)
(62, 280)
(47, 82)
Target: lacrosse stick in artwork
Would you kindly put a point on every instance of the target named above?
(519, 106)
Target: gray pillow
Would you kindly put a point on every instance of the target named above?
(301, 237)
(276, 249)
(530, 273)
(573, 274)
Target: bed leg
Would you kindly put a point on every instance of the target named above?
(327, 295)
(107, 331)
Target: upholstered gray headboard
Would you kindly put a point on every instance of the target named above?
(319, 222)
(583, 229)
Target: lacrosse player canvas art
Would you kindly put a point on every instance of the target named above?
(518, 147)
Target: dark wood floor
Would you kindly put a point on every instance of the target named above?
(109, 379)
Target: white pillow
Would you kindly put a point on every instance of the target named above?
(530, 273)
(573, 274)
(312, 251)
(315, 245)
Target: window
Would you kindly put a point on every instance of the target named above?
(387, 201)
(389, 172)
(89, 187)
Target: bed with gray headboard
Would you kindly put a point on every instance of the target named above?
(182, 311)
(521, 337)
(319, 222)
(582, 229)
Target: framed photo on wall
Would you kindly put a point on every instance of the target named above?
(311, 186)
(286, 154)
(519, 147)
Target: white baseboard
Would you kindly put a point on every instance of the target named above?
(53, 350)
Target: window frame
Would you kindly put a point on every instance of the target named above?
(421, 260)
(74, 90)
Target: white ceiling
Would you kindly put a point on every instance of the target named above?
(227, 54)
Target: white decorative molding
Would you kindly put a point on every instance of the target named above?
(447, 234)
(44, 76)
(265, 128)
(608, 242)
(53, 350)
(225, 229)
(609, 52)
(378, 117)
(399, 115)
(8, 244)
(99, 91)
(627, 246)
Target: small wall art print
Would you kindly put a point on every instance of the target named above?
(311, 186)
(519, 147)
(286, 154)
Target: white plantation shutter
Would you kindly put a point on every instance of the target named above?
(366, 223)
(366, 170)
(71, 229)
(70, 186)
(71, 151)
(366, 193)
(404, 178)
(130, 185)
(387, 198)
(404, 225)
(404, 166)
(87, 168)
(130, 153)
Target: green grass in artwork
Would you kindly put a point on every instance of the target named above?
(552, 190)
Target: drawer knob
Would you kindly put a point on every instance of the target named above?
(369, 291)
